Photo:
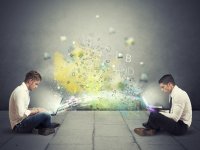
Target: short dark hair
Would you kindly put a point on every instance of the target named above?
(168, 78)
(34, 75)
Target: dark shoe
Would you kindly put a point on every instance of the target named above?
(144, 131)
(46, 131)
(54, 125)
(35, 131)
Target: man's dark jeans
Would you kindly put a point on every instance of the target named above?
(39, 120)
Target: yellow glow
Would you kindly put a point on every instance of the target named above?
(84, 72)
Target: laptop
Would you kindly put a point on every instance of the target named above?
(65, 104)
(60, 107)
(152, 108)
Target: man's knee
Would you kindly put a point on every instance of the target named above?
(156, 116)
(44, 115)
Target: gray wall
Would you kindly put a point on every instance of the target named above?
(167, 35)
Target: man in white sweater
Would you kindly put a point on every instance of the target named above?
(24, 119)
(178, 119)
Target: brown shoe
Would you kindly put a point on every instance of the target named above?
(144, 131)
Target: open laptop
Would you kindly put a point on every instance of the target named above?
(65, 104)
(60, 107)
(152, 108)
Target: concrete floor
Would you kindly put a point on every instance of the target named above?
(99, 130)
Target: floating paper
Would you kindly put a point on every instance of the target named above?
(120, 55)
(141, 63)
(63, 38)
(144, 77)
(97, 16)
(111, 30)
(46, 56)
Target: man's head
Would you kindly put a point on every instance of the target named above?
(167, 83)
(32, 80)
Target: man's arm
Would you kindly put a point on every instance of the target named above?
(177, 108)
(36, 110)
(21, 110)
(33, 111)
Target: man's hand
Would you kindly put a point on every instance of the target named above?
(37, 110)
(33, 111)
(42, 110)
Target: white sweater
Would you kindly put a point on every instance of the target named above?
(18, 105)
(181, 106)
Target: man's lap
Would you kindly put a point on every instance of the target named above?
(32, 122)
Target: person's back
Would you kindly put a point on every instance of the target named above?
(186, 115)
(16, 114)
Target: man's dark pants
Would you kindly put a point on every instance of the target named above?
(158, 122)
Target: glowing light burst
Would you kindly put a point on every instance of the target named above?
(84, 71)
(88, 74)
(106, 100)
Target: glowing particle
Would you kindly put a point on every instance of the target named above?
(73, 42)
(102, 65)
(113, 66)
(129, 41)
(63, 38)
(46, 56)
(141, 63)
(97, 16)
(111, 30)
(120, 55)
(58, 87)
